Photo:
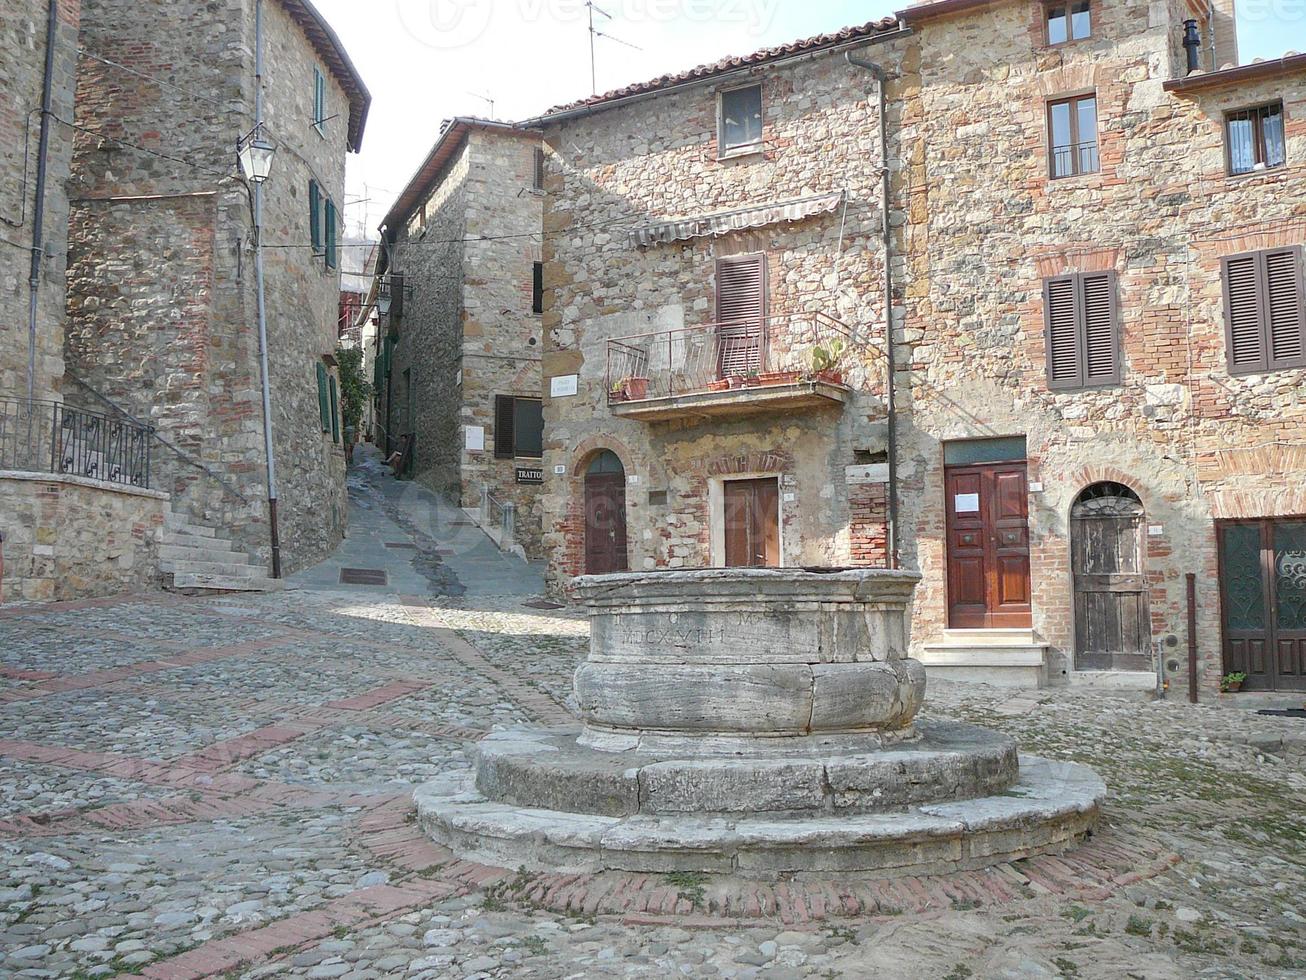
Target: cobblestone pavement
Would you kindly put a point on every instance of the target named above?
(221, 787)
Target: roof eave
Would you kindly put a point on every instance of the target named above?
(1231, 76)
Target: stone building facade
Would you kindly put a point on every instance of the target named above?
(162, 316)
(460, 365)
(1073, 437)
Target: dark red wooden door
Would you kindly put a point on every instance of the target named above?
(605, 524)
(1263, 602)
(752, 523)
(988, 547)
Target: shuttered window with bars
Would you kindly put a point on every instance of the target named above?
(741, 294)
(1083, 331)
(1265, 311)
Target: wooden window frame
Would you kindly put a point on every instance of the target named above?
(1083, 382)
(1070, 28)
(1075, 141)
(1267, 363)
(319, 101)
(502, 438)
(725, 152)
(1258, 138)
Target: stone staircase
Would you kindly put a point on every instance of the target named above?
(1001, 657)
(197, 559)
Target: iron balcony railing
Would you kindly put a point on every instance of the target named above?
(1074, 159)
(51, 437)
(784, 349)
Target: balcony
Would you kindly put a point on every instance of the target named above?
(789, 362)
(50, 437)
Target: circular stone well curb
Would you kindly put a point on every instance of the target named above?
(1050, 807)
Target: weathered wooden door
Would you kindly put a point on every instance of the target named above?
(605, 516)
(752, 519)
(988, 547)
(1113, 622)
(741, 312)
(1263, 602)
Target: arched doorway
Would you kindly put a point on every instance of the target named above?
(605, 515)
(1113, 623)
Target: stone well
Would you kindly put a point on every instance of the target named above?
(755, 722)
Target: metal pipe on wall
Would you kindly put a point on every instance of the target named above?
(893, 537)
(262, 302)
(38, 216)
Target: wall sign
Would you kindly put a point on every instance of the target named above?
(532, 475)
(564, 386)
(475, 438)
(1155, 531)
(966, 503)
(560, 470)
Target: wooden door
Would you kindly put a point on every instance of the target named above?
(988, 547)
(605, 523)
(1113, 623)
(1263, 602)
(741, 288)
(752, 519)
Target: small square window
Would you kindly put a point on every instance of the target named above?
(740, 127)
(1069, 21)
(1255, 139)
(1072, 137)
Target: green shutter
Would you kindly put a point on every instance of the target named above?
(335, 411)
(315, 215)
(330, 234)
(323, 399)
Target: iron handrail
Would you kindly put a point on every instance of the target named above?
(42, 436)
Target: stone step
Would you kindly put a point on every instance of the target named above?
(219, 583)
(181, 524)
(989, 637)
(217, 551)
(224, 569)
(1001, 664)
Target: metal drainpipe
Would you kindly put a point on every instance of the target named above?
(881, 78)
(38, 217)
(262, 303)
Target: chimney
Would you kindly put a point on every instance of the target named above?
(1193, 45)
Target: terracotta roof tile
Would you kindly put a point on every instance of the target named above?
(762, 57)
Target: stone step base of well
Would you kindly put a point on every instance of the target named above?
(1049, 809)
(217, 583)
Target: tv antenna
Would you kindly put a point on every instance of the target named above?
(487, 99)
(596, 33)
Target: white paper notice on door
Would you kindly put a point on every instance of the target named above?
(966, 503)
(475, 439)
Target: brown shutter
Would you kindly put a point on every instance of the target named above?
(504, 439)
(539, 169)
(741, 310)
(1287, 319)
(1101, 329)
(1244, 333)
(1063, 351)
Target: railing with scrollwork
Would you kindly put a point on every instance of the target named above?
(782, 349)
(50, 437)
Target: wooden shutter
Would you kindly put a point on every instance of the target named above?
(537, 288)
(1244, 333)
(539, 168)
(396, 296)
(335, 410)
(323, 399)
(504, 440)
(741, 311)
(315, 215)
(528, 427)
(1063, 351)
(1287, 318)
(1101, 329)
(330, 234)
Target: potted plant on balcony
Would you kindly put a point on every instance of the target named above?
(752, 379)
(825, 363)
(779, 377)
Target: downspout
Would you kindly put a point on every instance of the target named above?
(262, 303)
(38, 217)
(893, 541)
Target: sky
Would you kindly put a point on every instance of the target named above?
(428, 60)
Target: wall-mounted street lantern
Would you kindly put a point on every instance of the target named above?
(391, 293)
(255, 155)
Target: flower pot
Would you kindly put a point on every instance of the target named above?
(779, 377)
(1233, 687)
(722, 385)
(831, 377)
(635, 389)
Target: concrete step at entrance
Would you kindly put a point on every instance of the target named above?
(225, 569)
(220, 583)
(219, 551)
(1001, 657)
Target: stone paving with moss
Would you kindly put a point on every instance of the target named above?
(198, 787)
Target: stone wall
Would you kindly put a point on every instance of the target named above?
(22, 69)
(468, 333)
(657, 159)
(72, 538)
(162, 301)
